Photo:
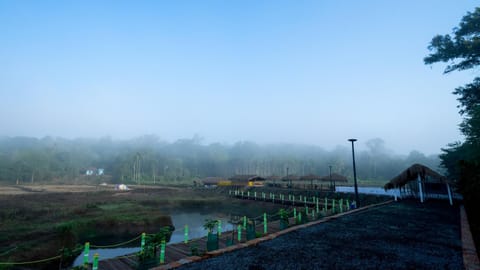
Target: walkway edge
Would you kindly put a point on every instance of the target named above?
(256, 241)
(470, 258)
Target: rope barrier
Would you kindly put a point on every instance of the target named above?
(116, 245)
(31, 262)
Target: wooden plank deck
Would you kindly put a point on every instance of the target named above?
(177, 251)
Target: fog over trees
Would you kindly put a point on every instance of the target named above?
(148, 159)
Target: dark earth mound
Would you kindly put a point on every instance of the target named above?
(405, 235)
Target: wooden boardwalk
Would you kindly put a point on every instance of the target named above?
(178, 251)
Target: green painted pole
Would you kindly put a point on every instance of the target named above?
(162, 252)
(86, 252)
(341, 205)
(219, 227)
(295, 213)
(244, 222)
(248, 194)
(348, 205)
(185, 234)
(325, 207)
(306, 209)
(300, 217)
(263, 195)
(313, 214)
(255, 194)
(239, 232)
(317, 205)
(305, 200)
(273, 198)
(95, 262)
(293, 200)
(142, 243)
(333, 206)
(264, 223)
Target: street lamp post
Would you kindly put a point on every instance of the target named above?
(331, 183)
(354, 172)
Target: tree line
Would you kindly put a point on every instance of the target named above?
(148, 159)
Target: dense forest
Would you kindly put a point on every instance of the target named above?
(149, 160)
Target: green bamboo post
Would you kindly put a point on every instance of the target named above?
(185, 234)
(219, 227)
(244, 222)
(341, 205)
(264, 223)
(295, 213)
(239, 233)
(325, 207)
(348, 205)
(86, 252)
(299, 217)
(333, 206)
(142, 243)
(162, 252)
(95, 262)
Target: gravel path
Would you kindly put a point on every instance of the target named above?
(406, 235)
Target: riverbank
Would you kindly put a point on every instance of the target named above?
(404, 235)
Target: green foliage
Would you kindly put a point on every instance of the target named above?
(462, 160)
(210, 225)
(283, 214)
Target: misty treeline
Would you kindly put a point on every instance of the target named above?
(149, 160)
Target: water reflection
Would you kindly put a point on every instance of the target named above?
(194, 221)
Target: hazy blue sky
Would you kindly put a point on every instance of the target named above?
(314, 72)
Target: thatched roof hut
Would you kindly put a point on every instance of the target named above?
(335, 178)
(273, 178)
(428, 182)
(291, 178)
(212, 180)
(411, 174)
(310, 177)
(246, 179)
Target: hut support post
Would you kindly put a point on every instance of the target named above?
(449, 194)
(420, 190)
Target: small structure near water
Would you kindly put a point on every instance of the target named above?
(421, 182)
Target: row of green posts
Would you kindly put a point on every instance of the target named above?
(343, 205)
(242, 226)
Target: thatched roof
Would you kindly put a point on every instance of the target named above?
(411, 174)
(273, 177)
(246, 178)
(212, 180)
(310, 177)
(335, 177)
(290, 178)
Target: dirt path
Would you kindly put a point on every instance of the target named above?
(406, 235)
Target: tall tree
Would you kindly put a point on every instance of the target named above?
(461, 51)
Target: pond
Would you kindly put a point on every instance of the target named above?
(194, 220)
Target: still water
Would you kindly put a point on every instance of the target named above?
(194, 221)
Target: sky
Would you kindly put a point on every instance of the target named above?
(302, 72)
